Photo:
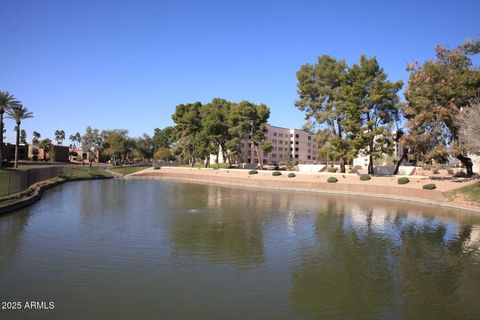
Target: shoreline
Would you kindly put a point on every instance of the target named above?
(348, 184)
(25, 200)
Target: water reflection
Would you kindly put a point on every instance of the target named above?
(376, 262)
(174, 249)
(12, 227)
(219, 224)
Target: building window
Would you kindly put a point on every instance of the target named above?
(296, 156)
(296, 136)
(308, 157)
(309, 137)
(274, 134)
(280, 134)
(281, 141)
(296, 149)
(296, 142)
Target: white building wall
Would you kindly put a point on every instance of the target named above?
(301, 146)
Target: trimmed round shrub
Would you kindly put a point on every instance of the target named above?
(403, 180)
(332, 169)
(291, 175)
(353, 170)
(429, 186)
(252, 172)
(276, 173)
(365, 177)
(332, 180)
(460, 174)
(156, 168)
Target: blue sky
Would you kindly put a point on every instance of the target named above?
(127, 64)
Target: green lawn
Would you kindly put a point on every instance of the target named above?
(83, 172)
(470, 193)
(128, 169)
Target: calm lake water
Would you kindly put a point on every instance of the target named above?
(169, 250)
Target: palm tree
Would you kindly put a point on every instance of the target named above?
(18, 113)
(36, 138)
(7, 100)
(59, 136)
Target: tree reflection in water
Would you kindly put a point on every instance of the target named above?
(392, 265)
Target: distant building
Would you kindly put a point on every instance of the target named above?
(298, 145)
(8, 151)
(59, 153)
(362, 159)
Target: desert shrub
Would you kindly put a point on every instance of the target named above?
(291, 175)
(276, 173)
(332, 169)
(332, 180)
(429, 186)
(365, 177)
(460, 174)
(252, 172)
(403, 180)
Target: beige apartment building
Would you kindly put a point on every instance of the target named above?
(299, 144)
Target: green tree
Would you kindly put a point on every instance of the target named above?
(164, 154)
(116, 144)
(23, 137)
(59, 136)
(7, 101)
(369, 92)
(143, 147)
(91, 142)
(436, 93)
(36, 138)
(46, 145)
(248, 121)
(215, 126)
(163, 137)
(320, 91)
(188, 128)
(18, 113)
